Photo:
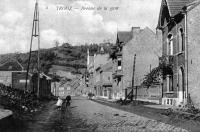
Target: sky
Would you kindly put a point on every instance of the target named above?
(72, 21)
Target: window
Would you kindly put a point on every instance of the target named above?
(169, 83)
(119, 63)
(180, 37)
(170, 44)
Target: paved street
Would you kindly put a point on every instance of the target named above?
(89, 116)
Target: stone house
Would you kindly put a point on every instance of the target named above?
(122, 38)
(7, 68)
(143, 43)
(179, 22)
(90, 70)
(106, 80)
(94, 66)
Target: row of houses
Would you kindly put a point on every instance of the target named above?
(66, 86)
(111, 75)
(172, 53)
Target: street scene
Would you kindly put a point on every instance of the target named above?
(95, 117)
(99, 66)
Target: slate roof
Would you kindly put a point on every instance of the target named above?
(124, 36)
(175, 6)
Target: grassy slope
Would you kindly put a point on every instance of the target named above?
(65, 57)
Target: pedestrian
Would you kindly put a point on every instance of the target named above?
(68, 99)
(59, 103)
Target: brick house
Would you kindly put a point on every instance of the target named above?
(179, 22)
(145, 44)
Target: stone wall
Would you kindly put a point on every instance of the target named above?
(151, 94)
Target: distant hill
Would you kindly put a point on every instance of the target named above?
(66, 57)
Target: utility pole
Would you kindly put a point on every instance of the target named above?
(35, 34)
(133, 77)
(37, 20)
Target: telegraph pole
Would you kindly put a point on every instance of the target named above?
(133, 77)
(35, 34)
(38, 27)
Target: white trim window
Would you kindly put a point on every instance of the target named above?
(180, 36)
(170, 45)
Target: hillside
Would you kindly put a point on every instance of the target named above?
(65, 57)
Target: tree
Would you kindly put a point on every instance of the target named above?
(153, 77)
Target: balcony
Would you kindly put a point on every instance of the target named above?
(167, 60)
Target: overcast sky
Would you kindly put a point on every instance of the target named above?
(74, 26)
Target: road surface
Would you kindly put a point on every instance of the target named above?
(88, 116)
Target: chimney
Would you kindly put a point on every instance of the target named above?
(135, 29)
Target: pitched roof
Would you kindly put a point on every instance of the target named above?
(44, 75)
(174, 7)
(107, 66)
(193, 4)
(124, 36)
(10, 65)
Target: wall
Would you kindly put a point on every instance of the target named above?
(194, 55)
(99, 60)
(55, 88)
(5, 77)
(151, 94)
(146, 45)
(19, 81)
(107, 77)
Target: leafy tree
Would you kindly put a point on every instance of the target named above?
(153, 77)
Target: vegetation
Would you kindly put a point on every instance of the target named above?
(72, 57)
(153, 77)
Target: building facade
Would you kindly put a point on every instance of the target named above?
(179, 23)
(94, 67)
(144, 45)
(19, 81)
(6, 70)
